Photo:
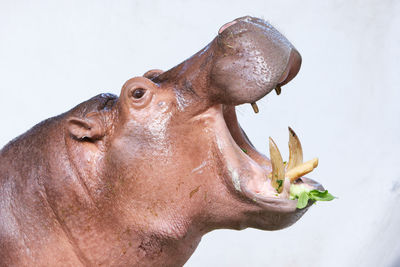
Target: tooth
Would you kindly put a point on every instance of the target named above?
(295, 150)
(278, 89)
(301, 170)
(278, 169)
(255, 107)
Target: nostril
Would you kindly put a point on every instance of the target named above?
(226, 26)
(292, 68)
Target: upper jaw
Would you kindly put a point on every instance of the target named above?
(250, 59)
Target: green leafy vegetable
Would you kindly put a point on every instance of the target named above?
(303, 193)
(280, 183)
(303, 200)
(320, 195)
(244, 150)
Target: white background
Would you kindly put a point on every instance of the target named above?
(344, 104)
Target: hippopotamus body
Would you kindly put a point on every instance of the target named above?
(137, 180)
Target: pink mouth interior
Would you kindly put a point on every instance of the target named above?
(257, 182)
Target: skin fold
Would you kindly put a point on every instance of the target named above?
(137, 180)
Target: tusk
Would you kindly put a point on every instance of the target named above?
(255, 107)
(278, 169)
(295, 151)
(301, 170)
(278, 89)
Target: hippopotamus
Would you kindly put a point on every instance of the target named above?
(137, 180)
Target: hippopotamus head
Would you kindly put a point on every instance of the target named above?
(166, 161)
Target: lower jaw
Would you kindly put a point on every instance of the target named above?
(248, 169)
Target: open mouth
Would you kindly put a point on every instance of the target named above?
(263, 180)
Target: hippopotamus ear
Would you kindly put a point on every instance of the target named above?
(89, 127)
(151, 74)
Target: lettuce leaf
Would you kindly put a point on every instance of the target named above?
(303, 194)
(303, 200)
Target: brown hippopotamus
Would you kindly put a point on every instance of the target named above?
(137, 180)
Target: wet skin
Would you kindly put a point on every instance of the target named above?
(137, 180)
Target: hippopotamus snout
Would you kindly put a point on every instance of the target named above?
(254, 58)
(245, 61)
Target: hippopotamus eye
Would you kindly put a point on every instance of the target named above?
(138, 93)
